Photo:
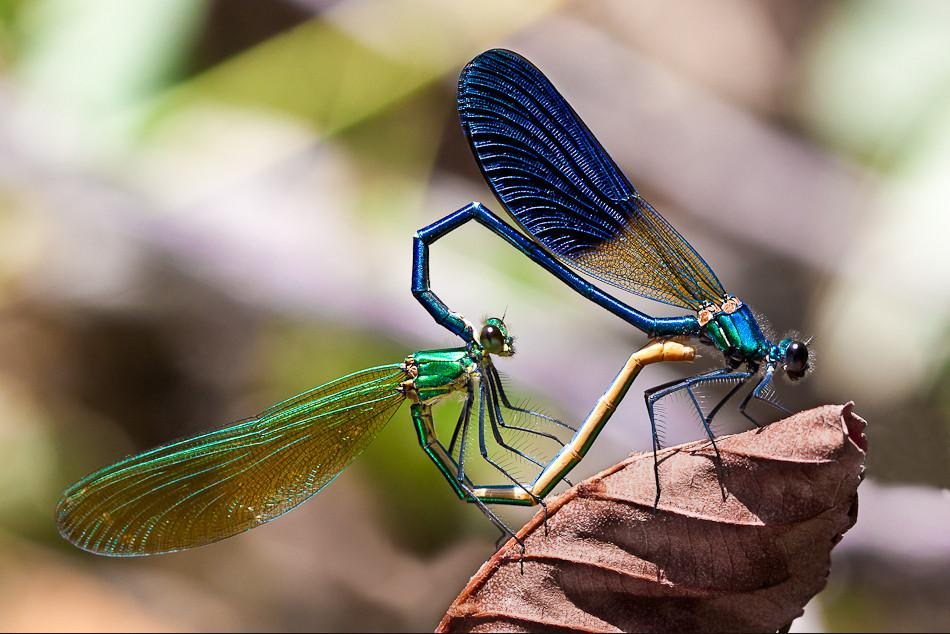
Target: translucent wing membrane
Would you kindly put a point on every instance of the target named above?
(562, 187)
(203, 489)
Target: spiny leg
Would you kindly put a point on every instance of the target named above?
(495, 378)
(742, 377)
(739, 377)
(712, 439)
(495, 419)
(483, 395)
(463, 416)
(757, 394)
(497, 521)
(483, 448)
(714, 377)
(495, 386)
(508, 405)
(460, 484)
(651, 397)
(463, 419)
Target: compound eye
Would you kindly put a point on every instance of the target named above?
(796, 358)
(492, 339)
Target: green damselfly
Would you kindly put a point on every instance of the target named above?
(215, 485)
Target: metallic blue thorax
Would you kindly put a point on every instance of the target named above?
(738, 335)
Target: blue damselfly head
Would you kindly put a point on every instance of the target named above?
(793, 357)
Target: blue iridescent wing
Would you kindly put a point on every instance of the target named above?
(562, 188)
(209, 487)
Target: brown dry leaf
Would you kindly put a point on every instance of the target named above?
(750, 563)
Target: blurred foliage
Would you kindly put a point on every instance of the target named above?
(903, 86)
(128, 51)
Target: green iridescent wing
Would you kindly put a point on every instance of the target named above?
(204, 489)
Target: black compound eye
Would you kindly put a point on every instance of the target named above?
(796, 358)
(492, 339)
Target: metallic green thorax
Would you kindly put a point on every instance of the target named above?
(738, 335)
(434, 374)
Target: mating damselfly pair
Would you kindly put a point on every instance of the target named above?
(577, 211)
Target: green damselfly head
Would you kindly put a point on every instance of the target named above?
(495, 338)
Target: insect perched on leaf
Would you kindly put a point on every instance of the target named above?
(215, 485)
(580, 212)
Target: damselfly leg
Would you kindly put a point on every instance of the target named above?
(506, 402)
(454, 460)
(506, 532)
(497, 421)
(490, 394)
(462, 426)
(451, 462)
(764, 392)
(499, 400)
(487, 411)
(654, 395)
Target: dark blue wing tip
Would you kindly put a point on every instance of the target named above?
(502, 86)
(508, 54)
(496, 53)
(489, 58)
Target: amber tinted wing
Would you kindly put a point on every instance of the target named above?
(203, 489)
(561, 186)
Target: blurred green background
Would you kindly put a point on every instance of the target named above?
(206, 206)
